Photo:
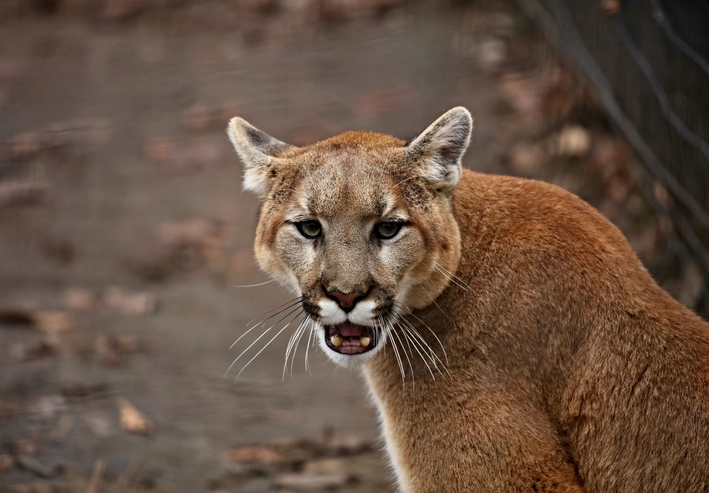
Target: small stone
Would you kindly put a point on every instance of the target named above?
(6, 462)
(305, 136)
(382, 102)
(122, 9)
(79, 299)
(662, 195)
(22, 352)
(48, 406)
(137, 304)
(527, 159)
(106, 351)
(523, 94)
(60, 250)
(197, 117)
(99, 422)
(491, 53)
(25, 145)
(22, 194)
(260, 6)
(11, 69)
(573, 141)
(201, 152)
(23, 447)
(692, 285)
(610, 8)
(133, 344)
(617, 188)
(31, 464)
(242, 263)
(159, 149)
(344, 443)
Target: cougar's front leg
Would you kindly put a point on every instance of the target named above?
(482, 442)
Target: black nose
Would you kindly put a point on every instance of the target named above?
(346, 301)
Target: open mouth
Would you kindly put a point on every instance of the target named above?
(349, 338)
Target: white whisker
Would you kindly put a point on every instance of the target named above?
(301, 330)
(425, 325)
(290, 304)
(424, 345)
(262, 349)
(310, 335)
(453, 276)
(413, 381)
(289, 347)
(447, 276)
(254, 285)
(398, 360)
(258, 338)
(421, 354)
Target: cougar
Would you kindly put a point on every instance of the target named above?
(510, 337)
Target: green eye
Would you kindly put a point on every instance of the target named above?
(309, 229)
(387, 229)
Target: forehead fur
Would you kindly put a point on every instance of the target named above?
(331, 176)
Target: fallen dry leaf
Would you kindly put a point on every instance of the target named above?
(325, 466)
(106, 350)
(132, 420)
(22, 194)
(344, 443)
(253, 454)
(22, 352)
(96, 479)
(133, 344)
(50, 322)
(138, 303)
(313, 482)
(54, 322)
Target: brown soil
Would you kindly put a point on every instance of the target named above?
(124, 232)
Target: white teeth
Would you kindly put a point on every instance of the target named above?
(336, 341)
(364, 341)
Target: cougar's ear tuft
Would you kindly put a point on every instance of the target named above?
(439, 148)
(257, 151)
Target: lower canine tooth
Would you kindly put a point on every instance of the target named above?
(364, 341)
(336, 341)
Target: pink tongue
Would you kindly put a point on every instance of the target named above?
(348, 329)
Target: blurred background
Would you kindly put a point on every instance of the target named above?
(124, 234)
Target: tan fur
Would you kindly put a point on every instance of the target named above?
(568, 368)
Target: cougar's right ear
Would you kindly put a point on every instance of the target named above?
(257, 151)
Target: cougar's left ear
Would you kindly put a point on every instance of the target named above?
(439, 149)
(257, 151)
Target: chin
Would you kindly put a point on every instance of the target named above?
(350, 345)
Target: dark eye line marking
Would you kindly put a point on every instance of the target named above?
(301, 219)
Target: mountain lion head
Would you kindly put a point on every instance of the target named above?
(360, 226)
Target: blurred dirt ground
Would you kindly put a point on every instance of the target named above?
(124, 233)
